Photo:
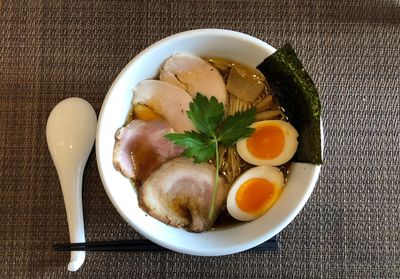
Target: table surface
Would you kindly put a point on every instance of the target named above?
(51, 50)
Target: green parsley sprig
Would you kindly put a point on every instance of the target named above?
(213, 129)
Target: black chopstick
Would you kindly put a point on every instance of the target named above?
(140, 245)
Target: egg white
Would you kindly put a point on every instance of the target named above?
(289, 148)
(272, 174)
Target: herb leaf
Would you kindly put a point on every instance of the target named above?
(206, 114)
(197, 146)
(236, 127)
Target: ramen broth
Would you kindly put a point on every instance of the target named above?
(231, 165)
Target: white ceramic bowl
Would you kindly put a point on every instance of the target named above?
(205, 42)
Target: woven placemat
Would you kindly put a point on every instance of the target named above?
(51, 50)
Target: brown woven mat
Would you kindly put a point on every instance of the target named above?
(51, 50)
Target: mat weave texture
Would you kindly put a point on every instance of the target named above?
(51, 50)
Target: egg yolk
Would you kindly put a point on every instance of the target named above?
(143, 112)
(256, 195)
(267, 142)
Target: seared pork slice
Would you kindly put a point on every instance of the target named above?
(169, 101)
(140, 148)
(179, 193)
(194, 75)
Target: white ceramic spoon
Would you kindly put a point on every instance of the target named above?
(70, 133)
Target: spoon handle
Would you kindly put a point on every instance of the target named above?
(71, 185)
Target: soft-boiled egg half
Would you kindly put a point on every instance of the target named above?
(273, 143)
(254, 192)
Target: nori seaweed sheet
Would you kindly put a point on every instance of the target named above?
(298, 96)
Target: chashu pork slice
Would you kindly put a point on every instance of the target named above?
(179, 194)
(194, 75)
(140, 148)
(168, 100)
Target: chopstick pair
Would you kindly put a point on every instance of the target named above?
(141, 245)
